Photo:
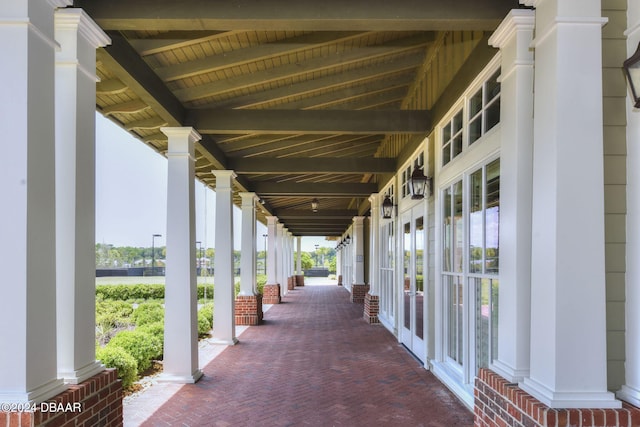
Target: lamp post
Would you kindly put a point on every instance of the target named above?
(153, 253)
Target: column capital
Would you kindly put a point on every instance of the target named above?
(280, 226)
(358, 219)
(272, 219)
(516, 20)
(373, 197)
(224, 178)
(182, 132)
(78, 20)
(248, 198)
(60, 3)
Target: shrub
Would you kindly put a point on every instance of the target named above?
(155, 329)
(143, 346)
(201, 289)
(113, 314)
(146, 313)
(205, 319)
(261, 280)
(116, 357)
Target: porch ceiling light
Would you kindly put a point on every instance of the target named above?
(387, 208)
(314, 205)
(419, 184)
(632, 70)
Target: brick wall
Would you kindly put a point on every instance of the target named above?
(97, 401)
(371, 308)
(248, 310)
(271, 294)
(358, 292)
(291, 284)
(500, 403)
(299, 280)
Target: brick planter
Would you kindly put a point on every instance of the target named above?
(291, 284)
(371, 308)
(500, 403)
(300, 280)
(248, 310)
(271, 294)
(96, 401)
(340, 280)
(358, 292)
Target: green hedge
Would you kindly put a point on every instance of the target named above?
(116, 357)
(155, 329)
(149, 312)
(143, 346)
(113, 314)
(205, 319)
(140, 292)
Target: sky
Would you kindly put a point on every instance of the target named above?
(131, 196)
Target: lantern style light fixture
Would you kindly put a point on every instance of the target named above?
(387, 208)
(347, 239)
(314, 205)
(419, 184)
(632, 70)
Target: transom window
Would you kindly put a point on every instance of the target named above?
(479, 114)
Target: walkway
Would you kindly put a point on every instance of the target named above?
(314, 362)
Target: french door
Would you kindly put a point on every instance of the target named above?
(412, 304)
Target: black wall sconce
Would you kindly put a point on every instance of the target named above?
(632, 71)
(420, 184)
(387, 207)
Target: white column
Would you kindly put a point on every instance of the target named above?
(299, 259)
(248, 245)
(630, 391)
(280, 259)
(272, 258)
(28, 366)
(374, 245)
(513, 37)
(358, 250)
(181, 305)
(292, 271)
(224, 322)
(75, 133)
(568, 325)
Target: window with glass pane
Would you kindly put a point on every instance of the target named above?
(447, 230)
(452, 138)
(419, 277)
(492, 218)
(458, 227)
(406, 238)
(486, 317)
(484, 108)
(476, 223)
(455, 298)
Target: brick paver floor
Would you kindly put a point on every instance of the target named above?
(314, 362)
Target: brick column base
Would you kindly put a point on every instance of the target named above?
(340, 280)
(271, 294)
(300, 280)
(96, 401)
(249, 310)
(358, 292)
(498, 402)
(371, 308)
(291, 285)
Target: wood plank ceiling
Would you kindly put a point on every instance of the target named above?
(297, 97)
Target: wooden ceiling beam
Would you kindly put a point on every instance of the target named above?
(302, 15)
(292, 214)
(322, 84)
(292, 70)
(270, 189)
(310, 121)
(343, 165)
(254, 53)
